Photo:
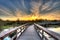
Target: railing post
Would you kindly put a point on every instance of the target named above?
(54, 35)
(16, 33)
(2, 38)
(42, 35)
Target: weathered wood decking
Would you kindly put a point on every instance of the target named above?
(29, 34)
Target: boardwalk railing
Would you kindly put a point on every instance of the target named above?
(13, 32)
(46, 34)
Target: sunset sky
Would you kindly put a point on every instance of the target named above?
(29, 9)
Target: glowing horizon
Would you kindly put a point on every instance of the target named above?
(30, 17)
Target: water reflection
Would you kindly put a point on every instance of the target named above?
(55, 28)
(7, 38)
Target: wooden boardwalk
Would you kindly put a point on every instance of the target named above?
(29, 34)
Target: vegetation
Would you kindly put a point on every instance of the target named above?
(8, 24)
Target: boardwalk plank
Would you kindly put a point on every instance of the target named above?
(29, 34)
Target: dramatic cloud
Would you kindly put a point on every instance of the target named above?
(30, 8)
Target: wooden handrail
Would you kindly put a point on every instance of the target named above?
(10, 31)
(51, 33)
(5, 33)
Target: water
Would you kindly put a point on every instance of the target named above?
(7, 38)
(54, 28)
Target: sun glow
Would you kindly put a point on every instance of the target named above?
(30, 18)
(33, 16)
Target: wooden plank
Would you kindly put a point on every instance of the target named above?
(51, 33)
(10, 31)
(29, 34)
(5, 33)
